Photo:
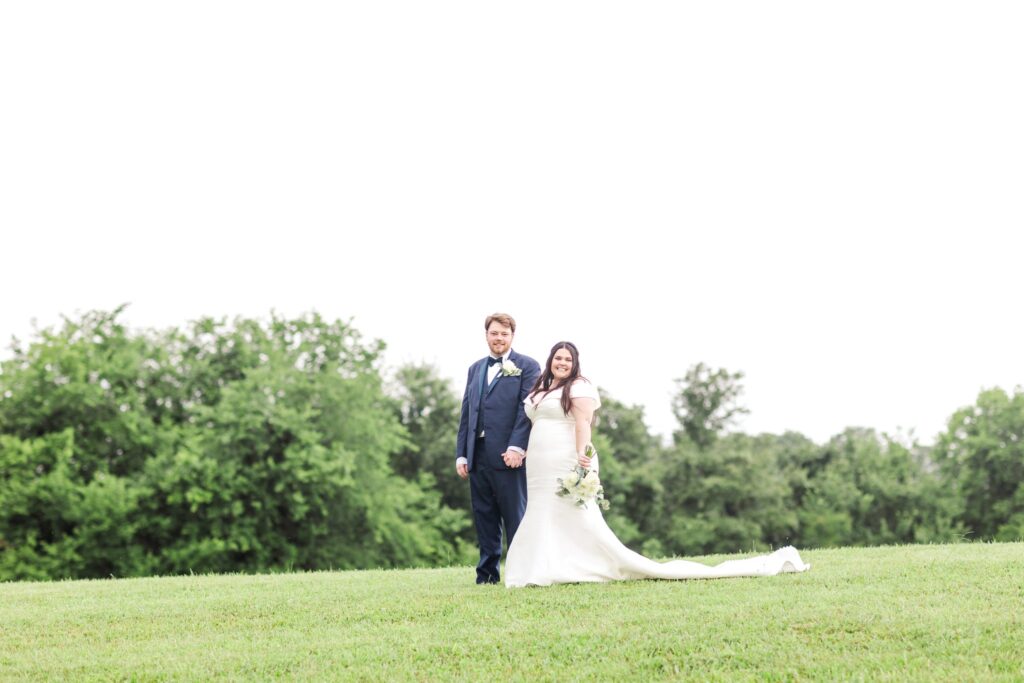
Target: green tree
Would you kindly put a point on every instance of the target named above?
(73, 438)
(722, 493)
(244, 446)
(290, 465)
(869, 489)
(429, 410)
(629, 457)
(727, 497)
(706, 403)
(55, 525)
(87, 377)
(982, 458)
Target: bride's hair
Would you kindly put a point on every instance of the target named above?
(546, 378)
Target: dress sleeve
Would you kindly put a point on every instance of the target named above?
(529, 408)
(581, 388)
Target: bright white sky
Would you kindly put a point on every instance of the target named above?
(826, 196)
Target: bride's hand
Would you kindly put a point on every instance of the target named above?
(513, 458)
(583, 460)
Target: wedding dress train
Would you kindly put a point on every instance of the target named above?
(558, 542)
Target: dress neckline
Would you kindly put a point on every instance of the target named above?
(543, 397)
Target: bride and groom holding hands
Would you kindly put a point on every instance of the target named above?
(523, 428)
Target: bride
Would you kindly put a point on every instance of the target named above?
(558, 542)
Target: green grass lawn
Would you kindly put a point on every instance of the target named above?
(945, 612)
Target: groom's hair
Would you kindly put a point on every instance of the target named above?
(502, 319)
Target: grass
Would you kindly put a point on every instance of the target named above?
(942, 612)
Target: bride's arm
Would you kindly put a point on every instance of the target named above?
(583, 413)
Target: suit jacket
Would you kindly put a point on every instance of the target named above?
(501, 412)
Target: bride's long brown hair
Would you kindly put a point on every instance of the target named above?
(546, 378)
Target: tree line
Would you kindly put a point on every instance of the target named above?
(284, 444)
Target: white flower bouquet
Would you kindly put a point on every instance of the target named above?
(583, 486)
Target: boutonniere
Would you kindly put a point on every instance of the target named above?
(509, 369)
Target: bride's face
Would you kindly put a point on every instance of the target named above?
(561, 364)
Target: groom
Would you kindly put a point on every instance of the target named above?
(493, 433)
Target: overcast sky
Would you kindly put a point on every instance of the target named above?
(828, 197)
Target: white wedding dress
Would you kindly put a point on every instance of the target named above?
(558, 542)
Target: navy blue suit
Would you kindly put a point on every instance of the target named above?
(497, 492)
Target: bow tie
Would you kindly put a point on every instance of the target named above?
(492, 361)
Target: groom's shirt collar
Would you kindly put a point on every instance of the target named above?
(494, 368)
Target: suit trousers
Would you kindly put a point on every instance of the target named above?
(498, 498)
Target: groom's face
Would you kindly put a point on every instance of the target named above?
(499, 338)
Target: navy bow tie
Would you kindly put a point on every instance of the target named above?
(492, 361)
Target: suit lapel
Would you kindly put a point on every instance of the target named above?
(481, 382)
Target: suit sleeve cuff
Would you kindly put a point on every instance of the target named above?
(517, 449)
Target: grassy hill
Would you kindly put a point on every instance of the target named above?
(949, 612)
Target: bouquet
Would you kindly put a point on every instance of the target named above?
(583, 485)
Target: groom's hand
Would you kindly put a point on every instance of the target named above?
(512, 458)
(463, 470)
